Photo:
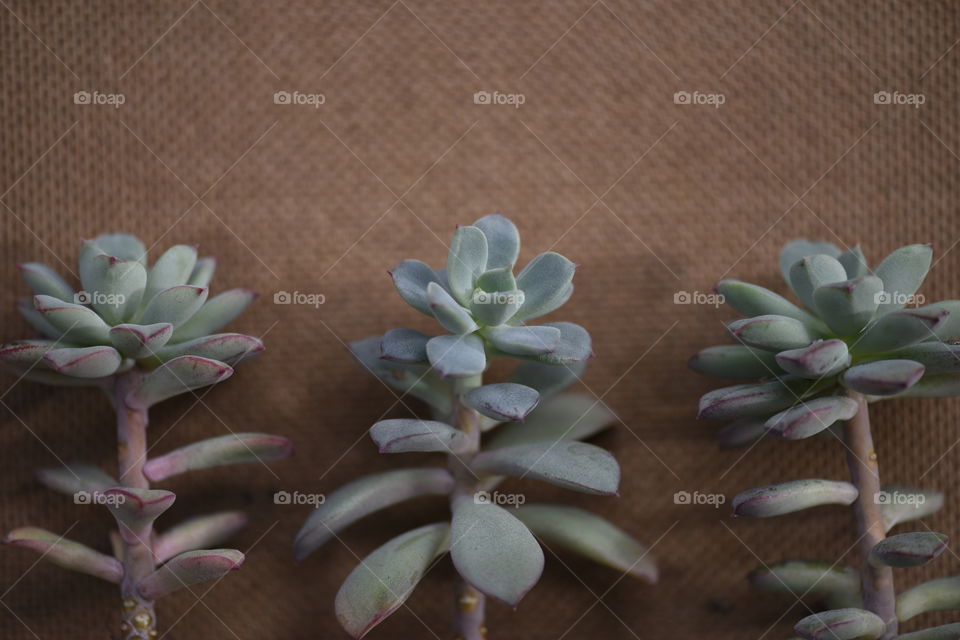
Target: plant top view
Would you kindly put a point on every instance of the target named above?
(524, 427)
(861, 335)
(141, 334)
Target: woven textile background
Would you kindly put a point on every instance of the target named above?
(649, 196)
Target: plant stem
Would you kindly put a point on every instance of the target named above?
(877, 582)
(138, 619)
(468, 611)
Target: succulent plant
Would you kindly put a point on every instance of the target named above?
(142, 335)
(854, 341)
(523, 427)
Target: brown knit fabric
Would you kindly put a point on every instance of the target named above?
(599, 163)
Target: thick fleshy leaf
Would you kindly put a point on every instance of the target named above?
(943, 632)
(503, 240)
(569, 416)
(821, 359)
(524, 341)
(841, 624)
(402, 435)
(139, 341)
(936, 357)
(813, 272)
(734, 361)
(935, 595)
(448, 311)
(569, 464)
(497, 279)
(364, 496)
(883, 377)
(404, 345)
(837, 584)
(547, 379)
(77, 324)
(175, 377)
(114, 287)
(383, 581)
(84, 362)
(949, 331)
(590, 536)
(466, 260)
(414, 379)
(908, 549)
(229, 348)
(900, 329)
(76, 476)
(854, 262)
(457, 356)
(801, 248)
(752, 300)
(902, 273)
(171, 269)
(741, 433)
(215, 314)
(773, 333)
(946, 385)
(135, 509)
(198, 533)
(411, 278)
(45, 281)
(752, 400)
(66, 553)
(544, 281)
(27, 309)
(575, 345)
(24, 354)
(848, 306)
(202, 272)
(905, 504)
(503, 401)
(496, 298)
(189, 568)
(493, 550)
(174, 305)
(795, 495)
(811, 417)
(121, 245)
(235, 448)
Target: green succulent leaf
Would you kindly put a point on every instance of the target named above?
(854, 262)
(569, 464)
(935, 595)
(883, 377)
(466, 260)
(189, 568)
(136, 509)
(547, 379)
(215, 314)
(524, 341)
(569, 416)
(575, 345)
(121, 245)
(813, 272)
(741, 433)
(773, 333)
(904, 504)
(848, 306)
(752, 400)
(364, 496)
(457, 356)
(66, 553)
(943, 632)
(791, 496)
(139, 341)
(837, 584)
(198, 533)
(174, 305)
(503, 240)
(902, 273)
(26, 308)
(494, 551)
(83, 362)
(752, 300)
(946, 385)
(545, 283)
(796, 250)
(234, 448)
(901, 328)
(734, 361)
(45, 281)
(503, 401)
(448, 311)
(75, 323)
(841, 624)
(202, 272)
(811, 417)
(172, 269)
(229, 348)
(177, 376)
(383, 581)
(416, 380)
(404, 345)
(590, 536)
(913, 549)
(403, 435)
(411, 278)
(949, 331)
(75, 477)
(114, 287)
(936, 357)
(821, 359)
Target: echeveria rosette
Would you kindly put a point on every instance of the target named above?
(142, 333)
(858, 335)
(523, 427)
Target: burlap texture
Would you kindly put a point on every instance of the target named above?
(599, 163)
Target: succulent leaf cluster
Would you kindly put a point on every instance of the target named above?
(142, 333)
(852, 339)
(523, 427)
